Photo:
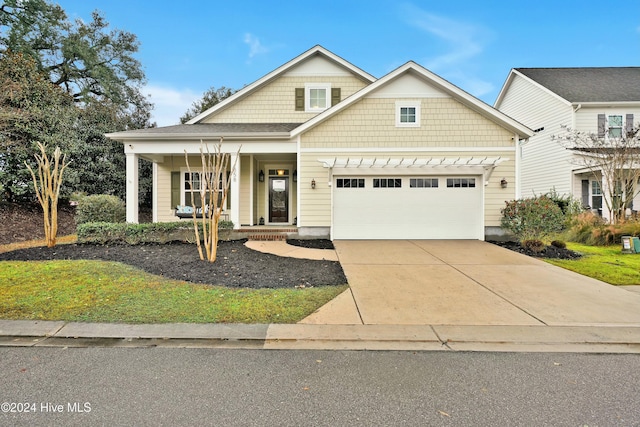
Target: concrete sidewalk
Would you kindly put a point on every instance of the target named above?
(585, 339)
(405, 295)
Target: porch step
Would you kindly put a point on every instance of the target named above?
(268, 236)
(266, 233)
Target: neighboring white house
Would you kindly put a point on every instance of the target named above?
(602, 101)
(332, 150)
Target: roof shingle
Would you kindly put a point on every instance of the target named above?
(596, 84)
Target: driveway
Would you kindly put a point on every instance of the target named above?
(470, 282)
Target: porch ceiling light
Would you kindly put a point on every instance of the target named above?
(280, 172)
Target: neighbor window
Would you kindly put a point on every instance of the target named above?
(407, 113)
(615, 126)
(596, 195)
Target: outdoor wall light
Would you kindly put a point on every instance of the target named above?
(261, 176)
(503, 183)
(313, 183)
(295, 175)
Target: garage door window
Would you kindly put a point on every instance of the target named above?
(461, 182)
(387, 183)
(350, 183)
(423, 183)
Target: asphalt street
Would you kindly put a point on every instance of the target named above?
(170, 386)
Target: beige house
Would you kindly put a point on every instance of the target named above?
(335, 152)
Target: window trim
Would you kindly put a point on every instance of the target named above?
(184, 190)
(407, 104)
(620, 126)
(308, 87)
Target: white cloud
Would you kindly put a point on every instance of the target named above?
(169, 103)
(464, 43)
(255, 47)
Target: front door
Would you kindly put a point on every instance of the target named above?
(278, 199)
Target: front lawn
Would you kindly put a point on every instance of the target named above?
(99, 291)
(606, 263)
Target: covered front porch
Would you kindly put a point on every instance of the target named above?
(263, 187)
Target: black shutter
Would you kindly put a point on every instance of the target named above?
(585, 192)
(175, 189)
(629, 124)
(299, 99)
(335, 95)
(601, 125)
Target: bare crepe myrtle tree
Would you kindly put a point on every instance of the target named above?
(47, 186)
(213, 188)
(613, 158)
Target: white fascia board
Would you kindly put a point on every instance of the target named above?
(276, 73)
(124, 138)
(178, 147)
(504, 89)
(442, 84)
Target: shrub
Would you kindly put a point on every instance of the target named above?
(559, 244)
(532, 219)
(100, 208)
(135, 234)
(590, 229)
(534, 245)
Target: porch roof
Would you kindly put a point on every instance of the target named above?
(208, 130)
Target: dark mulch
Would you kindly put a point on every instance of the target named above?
(236, 265)
(312, 243)
(547, 252)
(21, 222)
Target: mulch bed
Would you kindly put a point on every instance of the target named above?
(312, 243)
(235, 266)
(547, 252)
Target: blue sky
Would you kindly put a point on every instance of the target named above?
(188, 46)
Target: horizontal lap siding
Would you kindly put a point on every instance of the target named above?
(275, 102)
(545, 163)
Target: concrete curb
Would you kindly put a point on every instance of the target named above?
(574, 339)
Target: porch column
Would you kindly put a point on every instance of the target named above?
(235, 191)
(132, 188)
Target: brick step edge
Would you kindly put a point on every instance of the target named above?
(266, 230)
(267, 237)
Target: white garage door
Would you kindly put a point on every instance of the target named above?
(408, 207)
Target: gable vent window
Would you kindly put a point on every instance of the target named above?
(316, 97)
(407, 114)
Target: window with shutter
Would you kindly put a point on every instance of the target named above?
(317, 97)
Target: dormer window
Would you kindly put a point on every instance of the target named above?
(316, 97)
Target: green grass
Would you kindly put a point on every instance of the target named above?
(606, 263)
(97, 291)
